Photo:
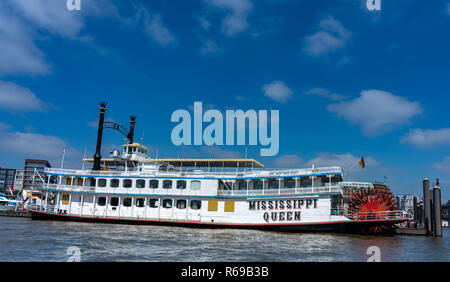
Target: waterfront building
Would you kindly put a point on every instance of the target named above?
(18, 180)
(6, 179)
(406, 202)
(30, 169)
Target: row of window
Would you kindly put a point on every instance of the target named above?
(152, 203)
(142, 183)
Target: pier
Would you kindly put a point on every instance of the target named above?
(427, 219)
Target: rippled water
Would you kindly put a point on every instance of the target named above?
(27, 240)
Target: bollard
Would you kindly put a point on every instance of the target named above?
(437, 222)
(426, 205)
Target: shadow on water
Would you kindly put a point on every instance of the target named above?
(28, 240)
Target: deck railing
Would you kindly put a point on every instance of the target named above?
(284, 191)
(181, 173)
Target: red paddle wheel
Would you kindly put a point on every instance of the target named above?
(372, 204)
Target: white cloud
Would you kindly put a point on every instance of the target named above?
(14, 97)
(332, 35)
(237, 12)
(154, 26)
(377, 111)
(34, 145)
(322, 92)
(50, 15)
(4, 126)
(209, 47)
(19, 54)
(158, 31)
(277, 91)
(427, 137)
(289, 161)
(443, 166)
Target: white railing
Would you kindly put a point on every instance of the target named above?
(68, 187)
(44, 207)
(284, 191)
(219, 174)
(379, 215)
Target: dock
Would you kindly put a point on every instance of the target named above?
(411, 231)
(14, 213)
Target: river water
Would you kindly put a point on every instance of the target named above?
(23, 239)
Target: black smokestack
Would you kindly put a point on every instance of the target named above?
(131, 134)
(98, 156)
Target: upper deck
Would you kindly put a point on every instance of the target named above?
(210, 173)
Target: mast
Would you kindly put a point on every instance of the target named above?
(98, 156)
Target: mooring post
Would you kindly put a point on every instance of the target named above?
(437, 228)
(426, 205)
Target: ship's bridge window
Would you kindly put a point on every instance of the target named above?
(181, 204)
(127, 202)
(140, 183)
(196, 205)
(140, 203)
(127, 183)
(101, 182)
(114, 202)
(167, 184)
(114, 183)
(196, 184)
(101, 201)
(153, 203)
(181, 184)
(167, 203)
(154, 183)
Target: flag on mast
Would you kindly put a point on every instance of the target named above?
(11, 189)
(362, 163)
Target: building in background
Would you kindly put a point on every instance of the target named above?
(18, 180)
(7, 177)
(406, 202)
(31, 166)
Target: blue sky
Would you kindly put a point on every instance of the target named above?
(348, 82)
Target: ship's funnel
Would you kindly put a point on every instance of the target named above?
(98, 156)
(131, 134)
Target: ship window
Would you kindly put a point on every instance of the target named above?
(229, 206)
(127, 202)
(212, 205)
(91, 182)
(274, 184)
(114, 202)
(101, 182)
(101, 201)
(140, 203)
(127, 183)
(196, 185)
(242, 185)
(167, 184)
(304, 182)
(153, 203)
(181, 184)
(167, 203)
(196, 205)
(257, 184)
(289, 183)
(140, 183)
(154, 183)
(181, 204)
(114, 183)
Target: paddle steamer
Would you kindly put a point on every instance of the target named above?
(128, 187)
